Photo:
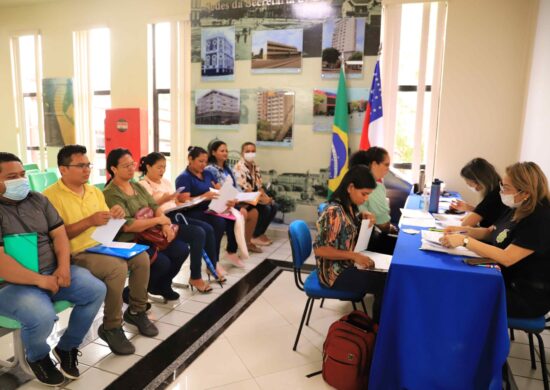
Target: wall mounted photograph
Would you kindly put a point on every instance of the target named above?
(218, 53)
(58, 111)
(275, 118)
(277, 51)
(217, 109)
(324, 102)
(343, 39)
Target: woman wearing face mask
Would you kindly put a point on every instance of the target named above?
(338, 228)
(217, 165)
(249, 179)
(481, 176)
(197, 182)
(519, 240)
(197, 234)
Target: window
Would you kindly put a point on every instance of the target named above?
(416, 50)
(27, 76)
(92, 59)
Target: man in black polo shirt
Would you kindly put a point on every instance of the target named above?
(28, 296)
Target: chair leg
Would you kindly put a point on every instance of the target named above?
(322, 301)
(354, 305)
(532, 351)
(19, 352)
(543, 362)
(512, 337)
(310, 310)
(302, 323)
(363, 304)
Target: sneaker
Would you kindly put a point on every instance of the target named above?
(140, 320)
(46, 373)
(116, 340)
(126, 299)
(68, 362)
(169, 295)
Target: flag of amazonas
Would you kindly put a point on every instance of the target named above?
(339, 149)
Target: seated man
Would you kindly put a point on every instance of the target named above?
(27, 296)
(82, 207)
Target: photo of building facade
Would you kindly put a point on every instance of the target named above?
(218, 57)
(217, 107)
(343, 37)
(277, 51)
(275, 113)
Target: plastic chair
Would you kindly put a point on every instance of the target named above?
(54, 170)
(8, 324)
(533, 326)
(40, 181)
(300, 243)
(30, 166)
(101, 186)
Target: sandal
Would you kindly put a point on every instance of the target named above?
(200, 285)
(220, 279)
(254, 248)
(235, 260)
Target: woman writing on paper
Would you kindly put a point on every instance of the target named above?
(518, 241)
(217, 159)
(132, 197)
(481, 176)
(338, 228)
(198, 182)
(198, 234)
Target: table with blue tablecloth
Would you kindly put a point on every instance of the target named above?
(443, 323)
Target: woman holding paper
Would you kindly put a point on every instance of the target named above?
(120, 190)
(481, 176)
(198, 183)
(217, 159)
(197, 234)
(518, 241)
(338, 265)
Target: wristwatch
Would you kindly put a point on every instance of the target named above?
(465, 242)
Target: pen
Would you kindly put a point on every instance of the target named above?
(494, 266)
(442, 231)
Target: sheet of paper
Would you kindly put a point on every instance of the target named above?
(460, 251)
(120, 245)
(431, 236)
(248, 196)
(445, 220)
(364, 236)
(227, 193)
(416, 214)
(106, 233)
(418, 222)
(186, 205)
(382, 261)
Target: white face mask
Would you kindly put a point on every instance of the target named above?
(250, 157)
(17, 189)
(508, 200)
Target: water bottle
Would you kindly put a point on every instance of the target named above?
(434, 196)
(421, 181)
(425, 201)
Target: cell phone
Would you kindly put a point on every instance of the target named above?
(179, 190)
(478, 261)
(454, 211)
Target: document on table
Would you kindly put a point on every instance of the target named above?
(364, 236)
(105, 234)
(445, 220)
(382, 261)
(226, 193)
(430, 242)
(416, 214)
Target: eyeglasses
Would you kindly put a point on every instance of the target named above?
(129, 165)
(81, 166)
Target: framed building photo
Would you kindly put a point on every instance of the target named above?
(275, 118)
(343, 39)
(217, 108)
(218, 53)
(277, 51)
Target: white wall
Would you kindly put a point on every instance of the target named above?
(536, 129)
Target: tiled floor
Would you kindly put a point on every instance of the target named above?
(255, 351)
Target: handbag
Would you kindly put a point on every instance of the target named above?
(153, 236)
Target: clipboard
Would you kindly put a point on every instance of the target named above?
(122, 253)
(23, 248)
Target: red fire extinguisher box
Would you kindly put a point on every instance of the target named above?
(126, 128)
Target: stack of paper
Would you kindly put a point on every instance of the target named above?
(225, 194)
(382, 262)
(413, 217)
(430, 242)
(444, 220)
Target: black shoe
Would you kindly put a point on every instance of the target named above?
(140, 320)
(169, 295)
(116, 340)
(68, 362)
(46, 373)
(126, 299)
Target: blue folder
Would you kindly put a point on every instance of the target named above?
(118, 252)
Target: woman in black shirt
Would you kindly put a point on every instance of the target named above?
(519, 240)
(481, 176)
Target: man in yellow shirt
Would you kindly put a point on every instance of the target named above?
(82, 208)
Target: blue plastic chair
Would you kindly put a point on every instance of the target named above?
(40, 181)
(533, 326)
(8, 324)
(300, 243)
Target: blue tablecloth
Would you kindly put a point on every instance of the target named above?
(443, 323)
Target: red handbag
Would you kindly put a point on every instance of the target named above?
(153, 236)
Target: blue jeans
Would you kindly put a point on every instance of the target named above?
(33, 308)
(166, 266)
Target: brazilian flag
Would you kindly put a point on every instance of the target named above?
(339, 149)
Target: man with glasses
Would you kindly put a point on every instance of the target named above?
(83, 208)
(27, 294)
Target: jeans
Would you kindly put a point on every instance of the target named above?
(266, 214)
(33, 308)
(166, 266)
(218, 225)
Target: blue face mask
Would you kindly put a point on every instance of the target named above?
(17, 189)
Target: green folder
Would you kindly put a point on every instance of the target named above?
(23, 248)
